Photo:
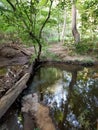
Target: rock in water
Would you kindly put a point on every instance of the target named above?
(30, 103)
(38, 111)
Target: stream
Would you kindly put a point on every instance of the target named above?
(71, 93)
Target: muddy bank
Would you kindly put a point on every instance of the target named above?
(13, 55)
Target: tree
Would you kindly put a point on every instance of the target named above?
(66, 7)
(89, 18)
(24, 16)
(74, 25)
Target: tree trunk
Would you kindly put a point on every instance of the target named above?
(75, 32)
(64, 28)
(39, 45)
(58, 28)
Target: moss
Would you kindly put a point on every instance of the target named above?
(3, 71)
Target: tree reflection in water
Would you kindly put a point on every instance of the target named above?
(70, 92)
(73, 98)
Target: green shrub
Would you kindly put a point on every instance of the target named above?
(82, 48)
(86, 45)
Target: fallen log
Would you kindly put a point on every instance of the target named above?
(11, 95)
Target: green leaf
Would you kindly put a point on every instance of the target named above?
(43, 2)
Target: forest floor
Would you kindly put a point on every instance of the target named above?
(68, 54)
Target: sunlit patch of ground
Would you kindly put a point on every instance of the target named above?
(64, 53)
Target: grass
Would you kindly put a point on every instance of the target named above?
(49, 55)
(36, 129)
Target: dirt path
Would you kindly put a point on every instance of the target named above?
(65, 54)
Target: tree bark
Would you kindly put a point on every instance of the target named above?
(75, 32)
(39, 45)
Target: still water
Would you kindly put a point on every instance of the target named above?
(71, 92)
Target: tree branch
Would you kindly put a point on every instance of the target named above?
(40, 33)
(11, 4)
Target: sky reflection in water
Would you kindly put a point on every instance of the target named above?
(72, 96)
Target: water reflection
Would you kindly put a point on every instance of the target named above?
(12, 120)
(70, 92)
(72, 96)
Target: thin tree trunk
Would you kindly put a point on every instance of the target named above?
(39, 45)
(58, 32)
(75, 32)
(64, 28)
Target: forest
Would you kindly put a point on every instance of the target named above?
(49, 64)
